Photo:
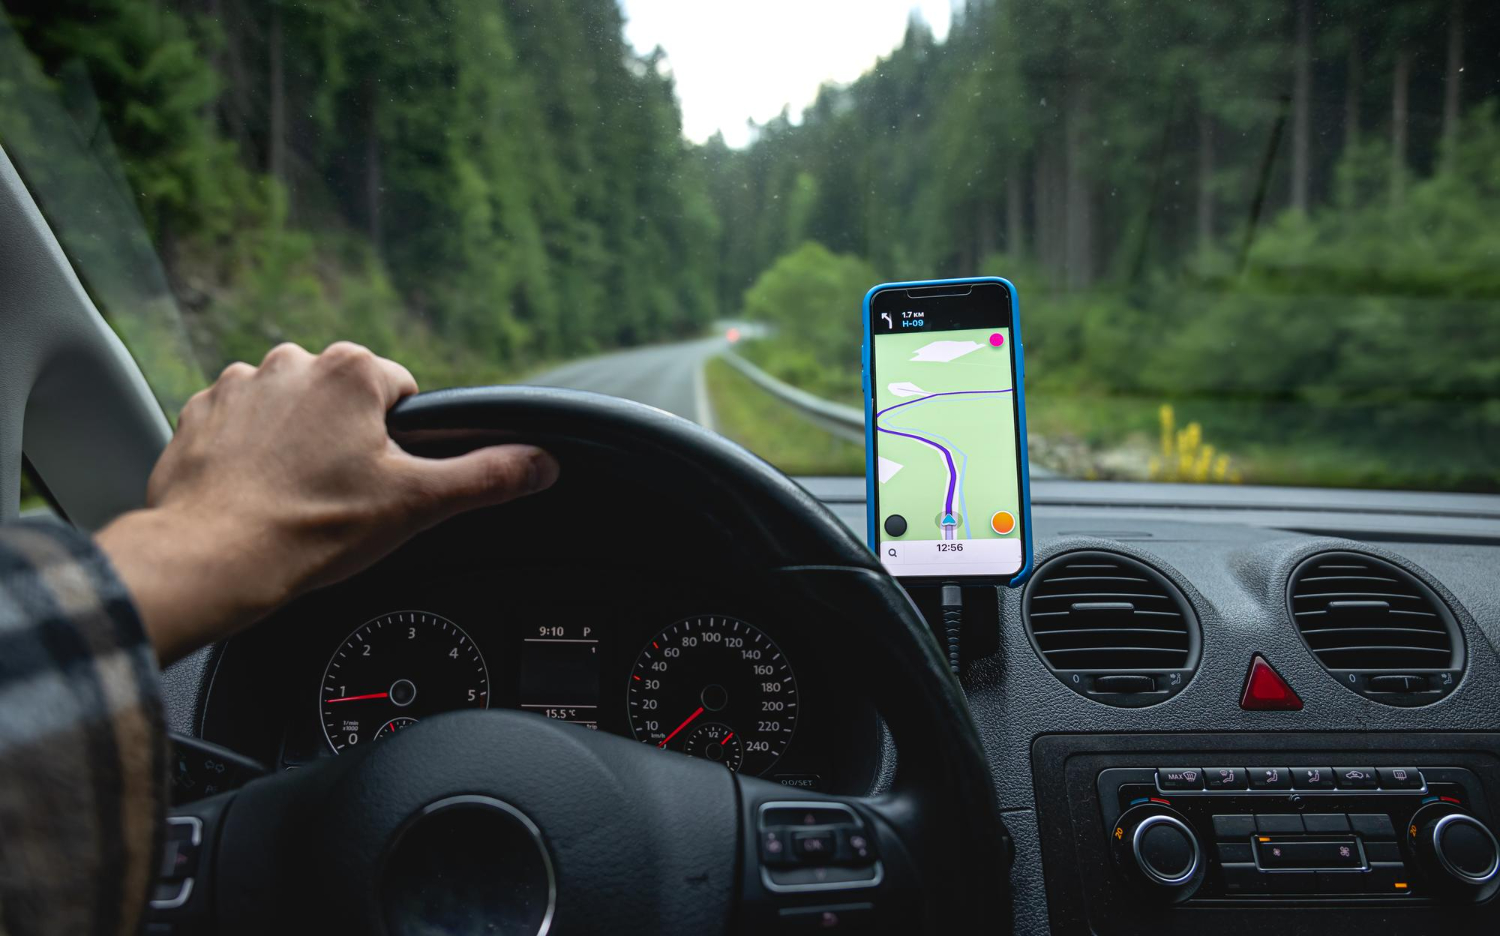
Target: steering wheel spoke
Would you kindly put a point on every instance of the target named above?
(814, 863)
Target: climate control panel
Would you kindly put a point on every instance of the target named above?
(1256, 831)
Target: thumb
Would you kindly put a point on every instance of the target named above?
(482, 478)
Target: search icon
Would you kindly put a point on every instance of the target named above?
(891, 553)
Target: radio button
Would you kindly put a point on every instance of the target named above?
(1243, 879)
(1312, 778)
(1373, 826)
(1326, 822)
(1355, 778)
(1308, 855)
(1384, 876)
(1400, 778)
(1224, 778)
(1288, 824)
(1269, 778)
(1382, 851)
(1234, 827)
(1235, 852)
(1179, 778)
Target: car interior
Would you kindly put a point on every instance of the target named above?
(1211, 708)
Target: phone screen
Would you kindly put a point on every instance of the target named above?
(947, 472)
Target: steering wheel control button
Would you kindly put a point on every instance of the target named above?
(1355, 778)
(1400, 778)
(774, 849)
(815, 847)
(1279, 824)
(1227, 828)
(1375, 826)
(843, 918)
(1179, 778)
(1269, 778)
(1312, 778)
(857, 848)
(1266, 691)
(1224, 778)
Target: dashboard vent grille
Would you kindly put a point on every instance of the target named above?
(1111, 627)
(1376, 627)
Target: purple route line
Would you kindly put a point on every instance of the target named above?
(952, 472)
(947, 455)
(931, 395)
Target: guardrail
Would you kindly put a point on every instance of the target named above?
(847, 422)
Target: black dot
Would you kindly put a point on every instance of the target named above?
(895, 525)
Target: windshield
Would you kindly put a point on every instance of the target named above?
(1253, 242)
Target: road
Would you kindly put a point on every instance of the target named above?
(668, 376)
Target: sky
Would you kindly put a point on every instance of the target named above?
(747, 59)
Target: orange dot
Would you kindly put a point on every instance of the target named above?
(1003, 522)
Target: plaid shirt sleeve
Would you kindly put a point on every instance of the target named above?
(82, 739)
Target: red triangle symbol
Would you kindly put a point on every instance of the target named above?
(1266, 691)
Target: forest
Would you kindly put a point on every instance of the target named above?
(1272, 222)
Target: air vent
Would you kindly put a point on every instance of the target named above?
(1111, 628)
(1378, 629)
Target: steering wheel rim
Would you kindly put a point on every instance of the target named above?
(939, 844)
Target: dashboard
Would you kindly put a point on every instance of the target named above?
(692, 668)
(1073, 760)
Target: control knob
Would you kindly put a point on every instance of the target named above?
(1155, 846)
(1458, 852)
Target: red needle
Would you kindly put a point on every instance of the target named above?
(684, 724)
(356, 698)
(726, 739)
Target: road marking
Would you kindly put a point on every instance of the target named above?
(703, 411)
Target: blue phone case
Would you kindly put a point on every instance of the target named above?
(1018, 352)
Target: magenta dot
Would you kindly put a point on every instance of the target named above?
(997, 339)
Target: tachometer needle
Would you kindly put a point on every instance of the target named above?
(685, 723)
(356, 698)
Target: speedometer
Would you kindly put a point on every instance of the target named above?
(715, 687)
(394, 671)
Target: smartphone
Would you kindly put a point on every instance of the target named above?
(946, 482)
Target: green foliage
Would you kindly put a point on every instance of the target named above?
(474, 187)
(810, 299)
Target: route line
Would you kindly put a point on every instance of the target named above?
(947, 455)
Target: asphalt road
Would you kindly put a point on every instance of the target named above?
(667, 376)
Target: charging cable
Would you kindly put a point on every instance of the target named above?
(953, 616)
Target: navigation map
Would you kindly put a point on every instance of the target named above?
(946, 452)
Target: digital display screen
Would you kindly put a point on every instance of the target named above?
(947, 472)
(560, 672)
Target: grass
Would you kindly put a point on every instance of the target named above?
(772, 430)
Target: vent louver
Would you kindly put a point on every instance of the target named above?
(1378, 629)
(1112, 628)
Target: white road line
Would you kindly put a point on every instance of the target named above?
(703, 411)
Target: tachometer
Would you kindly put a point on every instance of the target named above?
(395, 670)
(715, 682)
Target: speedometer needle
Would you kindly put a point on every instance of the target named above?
(684, 724)
(356, 698)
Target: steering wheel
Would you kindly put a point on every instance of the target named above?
(508, 822)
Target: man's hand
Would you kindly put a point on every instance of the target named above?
(282, 478)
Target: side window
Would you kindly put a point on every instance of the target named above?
(36, 499)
